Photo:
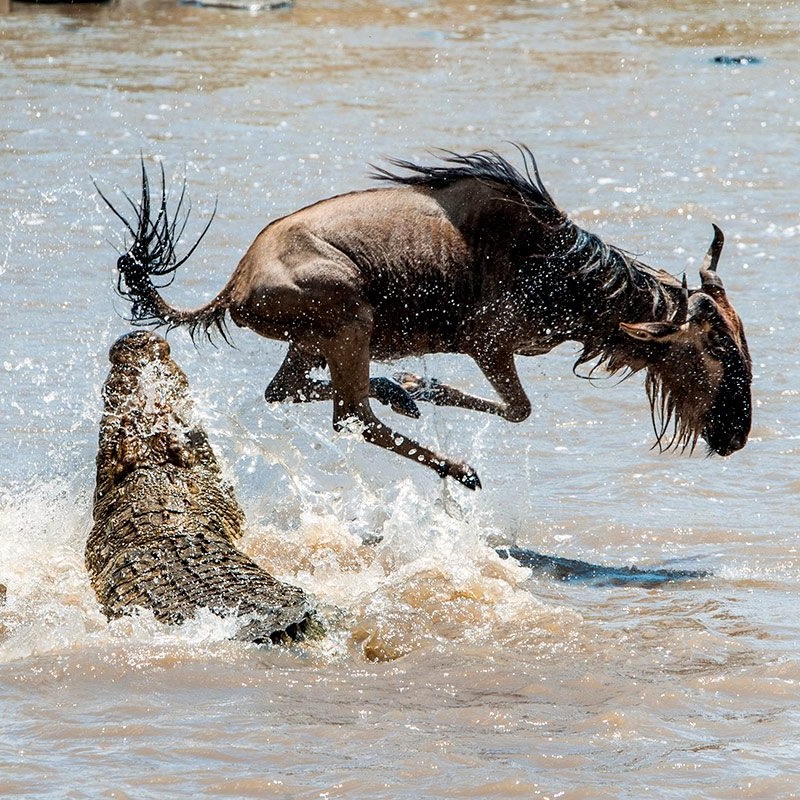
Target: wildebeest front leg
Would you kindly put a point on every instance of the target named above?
(348, 359)
(293, 383)
(501, 371)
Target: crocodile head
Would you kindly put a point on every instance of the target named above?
(148, 416)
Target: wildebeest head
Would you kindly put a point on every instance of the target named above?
(698, 367)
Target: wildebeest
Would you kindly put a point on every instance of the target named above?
(469, 256)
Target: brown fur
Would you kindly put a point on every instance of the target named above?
(473, 257)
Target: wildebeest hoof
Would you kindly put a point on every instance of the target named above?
(390, 392)
(417, 387)
(471, 479)
(463, 473)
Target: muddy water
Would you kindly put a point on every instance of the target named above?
(448, 673)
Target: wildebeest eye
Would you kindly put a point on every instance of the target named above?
(716, 346)
(704, 308)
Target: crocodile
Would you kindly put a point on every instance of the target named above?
(165, 519)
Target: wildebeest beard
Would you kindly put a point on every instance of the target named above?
(679, 390)
(677, 421)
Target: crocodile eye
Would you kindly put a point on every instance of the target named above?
(195, 438)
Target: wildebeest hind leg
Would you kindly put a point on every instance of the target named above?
(292, 383)
(348, 359)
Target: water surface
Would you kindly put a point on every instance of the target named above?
(449, 672)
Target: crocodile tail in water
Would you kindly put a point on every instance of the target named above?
(568, 569)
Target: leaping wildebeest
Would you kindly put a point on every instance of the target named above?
(469, 256)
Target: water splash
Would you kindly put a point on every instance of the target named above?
(422, 576)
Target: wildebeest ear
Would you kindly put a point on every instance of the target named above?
(652, 331)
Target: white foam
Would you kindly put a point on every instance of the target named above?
(392, 568)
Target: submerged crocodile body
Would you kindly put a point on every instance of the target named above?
(165, 521)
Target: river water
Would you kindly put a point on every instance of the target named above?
(448, 673)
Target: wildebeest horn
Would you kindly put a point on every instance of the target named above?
(682, 309)
(708, 270)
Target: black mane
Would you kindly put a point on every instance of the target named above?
(488, 166)
(617, 284)
(621, 278)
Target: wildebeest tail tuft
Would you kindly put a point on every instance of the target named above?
(150, 263)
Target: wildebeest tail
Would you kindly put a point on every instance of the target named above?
(150, 263)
